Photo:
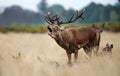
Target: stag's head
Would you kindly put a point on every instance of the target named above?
(108, 48)
(98, 29)
(55, 28)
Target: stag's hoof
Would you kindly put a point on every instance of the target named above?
(69, 63)
(76, 61)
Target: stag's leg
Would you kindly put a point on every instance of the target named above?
(97, 46)
(88, 51)
(96, 50)
(76, 55)
(69, 58)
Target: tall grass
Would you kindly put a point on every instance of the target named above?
(23, 28)
(113, 26)
(23, 54)
(109, 26)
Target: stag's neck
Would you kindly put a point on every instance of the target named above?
(59, 38)
(61, 41)
(98, 37)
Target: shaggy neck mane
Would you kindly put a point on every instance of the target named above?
(60, 40)
(59, 37)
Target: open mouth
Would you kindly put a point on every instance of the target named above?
(50, 34)
(49, 29)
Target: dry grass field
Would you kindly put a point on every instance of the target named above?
(26, 54)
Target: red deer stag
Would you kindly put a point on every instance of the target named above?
(72, 38)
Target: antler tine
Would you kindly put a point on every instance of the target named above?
(67, 21)
(51, 20)
(48, 19)
(71, 18)
(58, 22)
(56, 19)
(78, 15)
(54, 16)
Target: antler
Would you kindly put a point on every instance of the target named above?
(72, 19)
(50, 20)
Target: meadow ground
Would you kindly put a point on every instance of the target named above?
(26, 54)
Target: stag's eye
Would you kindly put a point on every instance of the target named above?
(56, 28)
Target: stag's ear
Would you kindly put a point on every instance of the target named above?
(93, 25)
(103, 25)
(107, 44)
(111, 45)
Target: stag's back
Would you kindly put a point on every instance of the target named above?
(78, 35)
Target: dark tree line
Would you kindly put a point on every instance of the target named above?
(93, 13)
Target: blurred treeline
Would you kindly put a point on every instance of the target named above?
(93, 13)
(17, 19)
(42, 28)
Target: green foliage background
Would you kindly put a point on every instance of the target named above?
(109, 26)
(17, 19)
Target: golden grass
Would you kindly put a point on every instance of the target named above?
(26, 54)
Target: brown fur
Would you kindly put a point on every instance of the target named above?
(94, 45)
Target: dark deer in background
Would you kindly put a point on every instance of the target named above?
(72, 38)
(94, 46)
(108, 49)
